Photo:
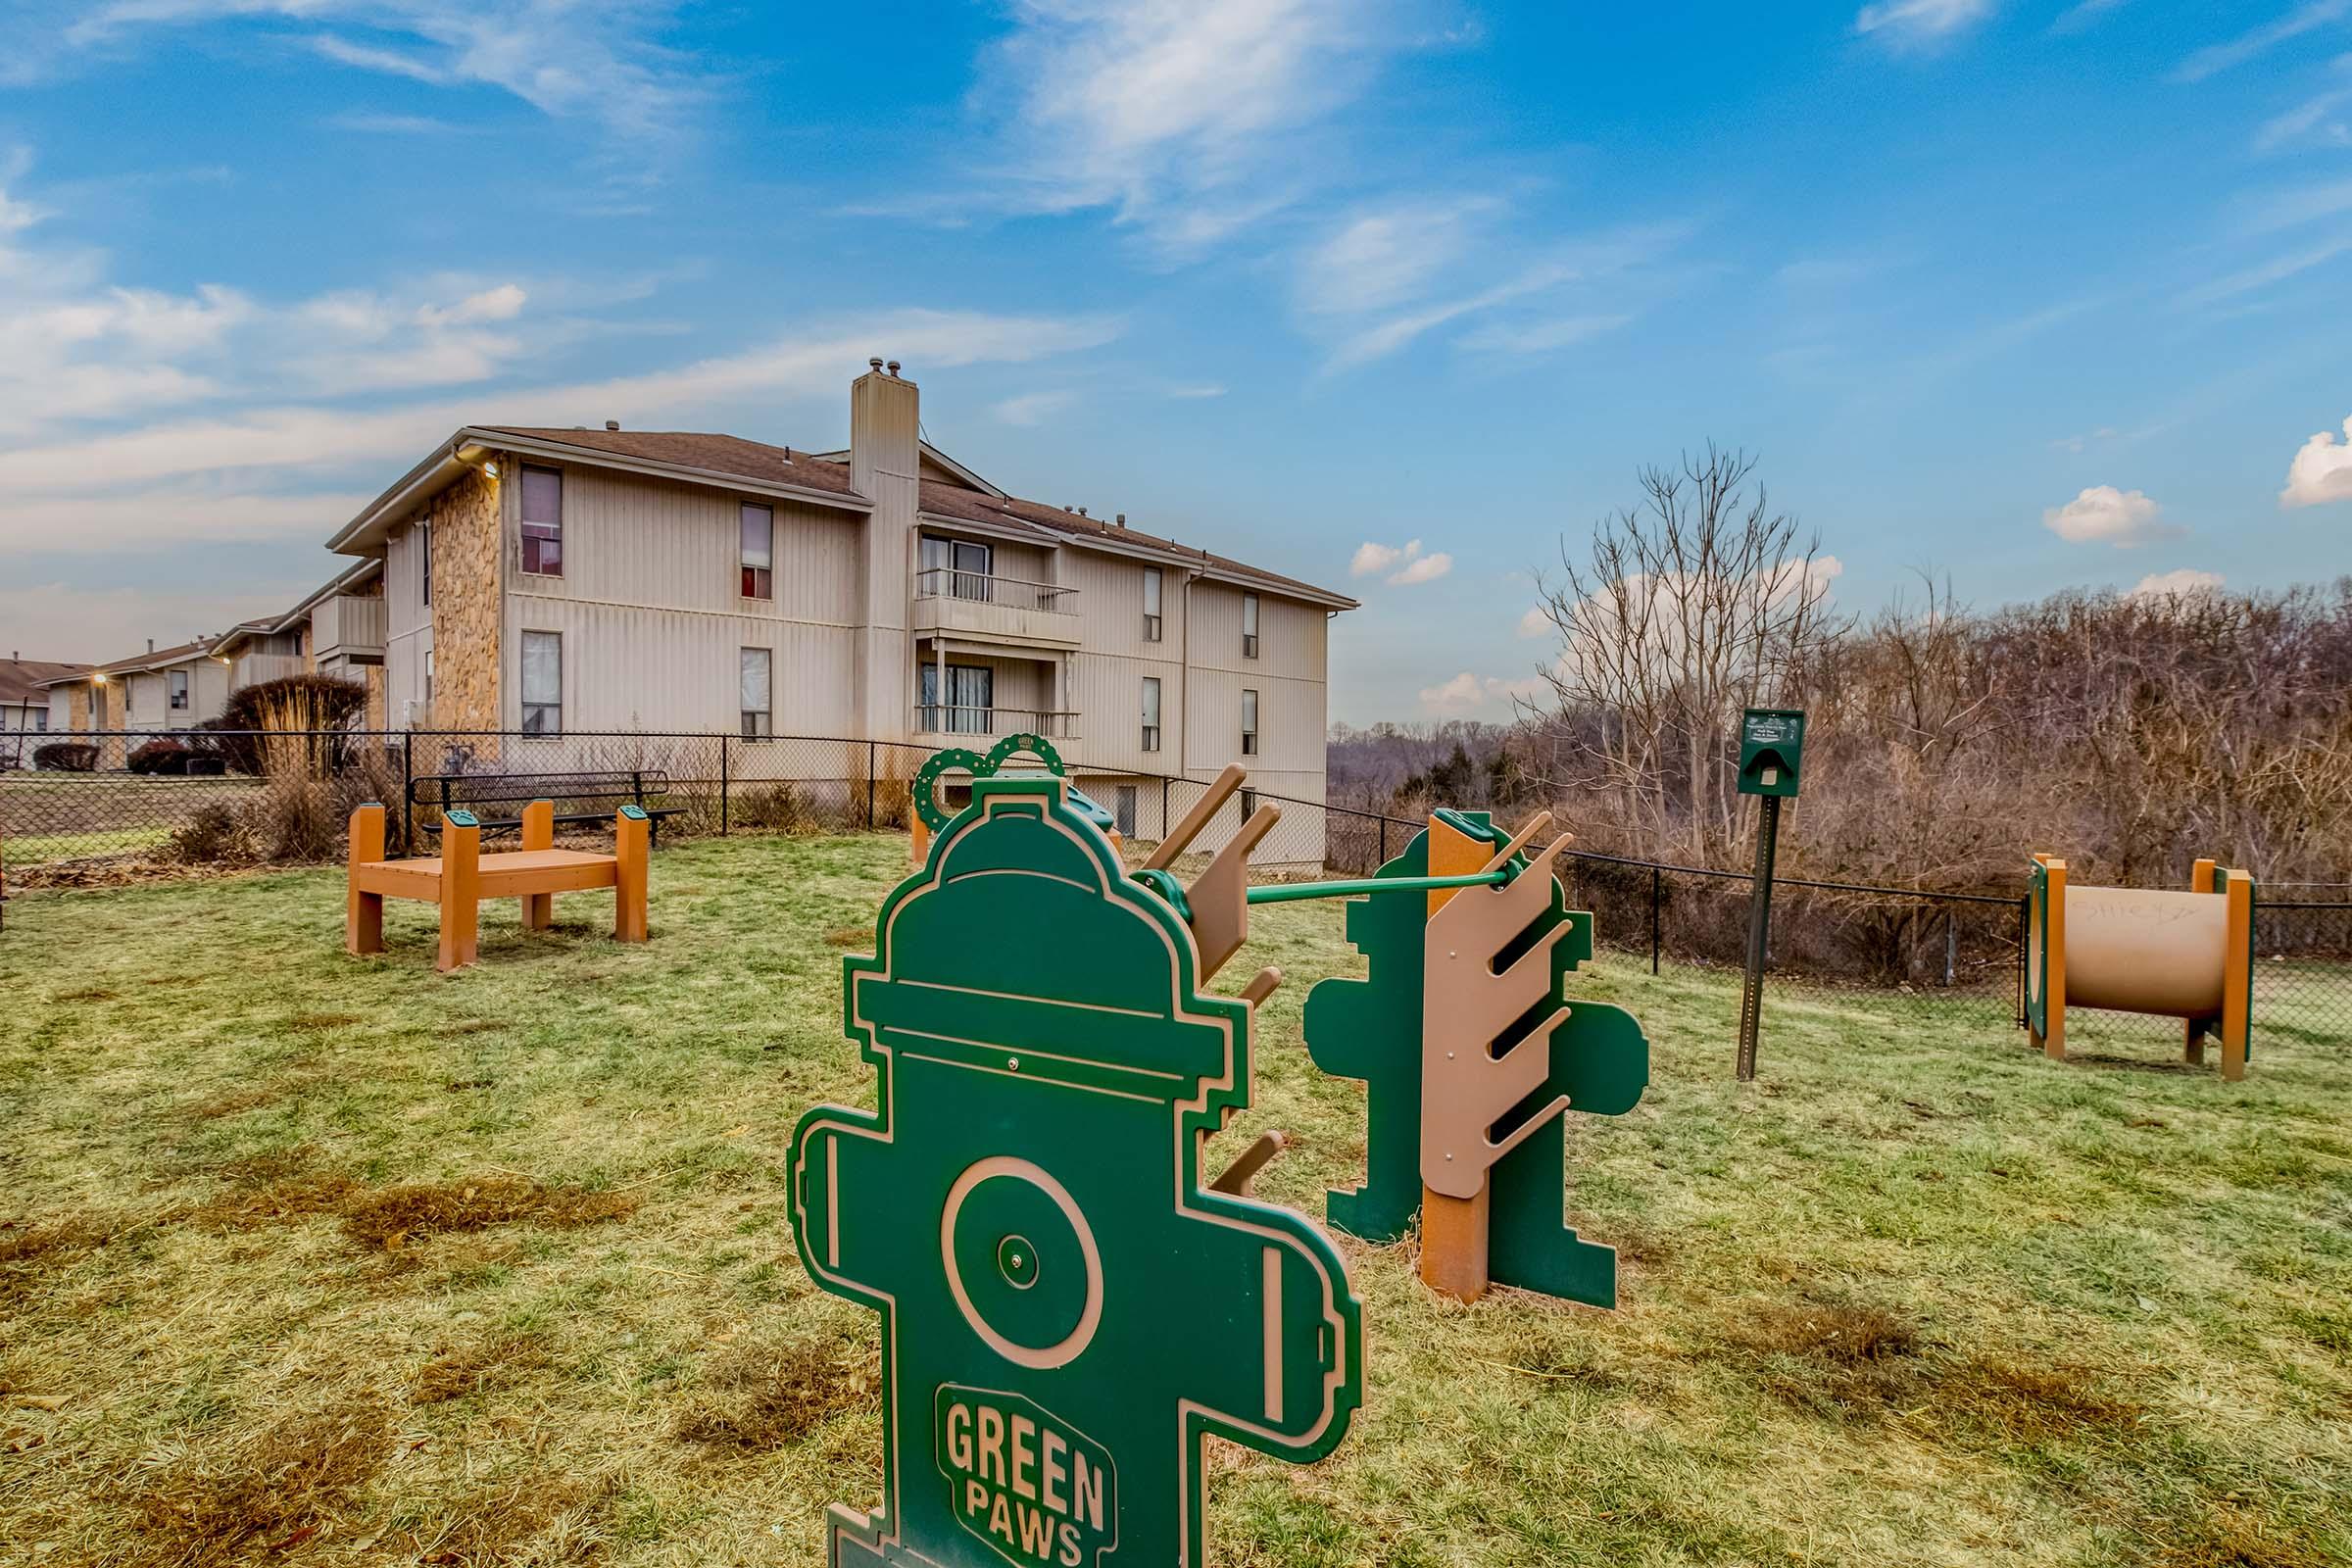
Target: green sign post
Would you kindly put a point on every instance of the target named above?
(1069, 1309)
(1771, 744)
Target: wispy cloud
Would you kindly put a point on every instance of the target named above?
(367, 125)
(1198, 389)
(2218, 58)
(603, 62)
(1919, 23)
(2085, 16)
(2261, 276)
(2316, 119)
(1380, 256)
(2188, 582)
(1182, 116)
(1031, 408)
(1404, 564)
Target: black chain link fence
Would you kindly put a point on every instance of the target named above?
(1882, 950)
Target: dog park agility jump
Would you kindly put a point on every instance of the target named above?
(2176, 954)
(460, 876)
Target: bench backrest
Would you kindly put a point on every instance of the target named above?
(635, 786)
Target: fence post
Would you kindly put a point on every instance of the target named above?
(722, 784)
(2025, 936)
(408, 789)
(1656, 878)
(872, 757)
(1952, 943)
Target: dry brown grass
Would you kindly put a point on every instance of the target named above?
(274, 1492)
(486, 1364)
(388, 1219)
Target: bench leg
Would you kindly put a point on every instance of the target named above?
(538, 833)
(630, 836)
(461, 896)
(363, 912)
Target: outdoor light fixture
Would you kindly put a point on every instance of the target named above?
(490, 468)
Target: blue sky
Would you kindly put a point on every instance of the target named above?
(2032, 293)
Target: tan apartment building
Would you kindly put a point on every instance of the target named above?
(546, 581)
(161, 690)
(337, 630)
(24, 704)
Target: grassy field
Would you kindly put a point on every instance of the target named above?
(317, 1260)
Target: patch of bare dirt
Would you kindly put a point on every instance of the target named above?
(848, 936)
(487, 1364)
(274, 1492)
(388, 1218)
(757, 1397)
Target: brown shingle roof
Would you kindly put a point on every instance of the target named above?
(21, 680)
(755, 460)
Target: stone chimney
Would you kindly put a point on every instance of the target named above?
(885, 463)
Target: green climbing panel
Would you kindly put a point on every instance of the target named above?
(1371, 1029)
(1067, 1310)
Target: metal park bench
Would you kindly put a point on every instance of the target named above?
(594, 796)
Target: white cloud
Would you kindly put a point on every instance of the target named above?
(61, 620)
(1411, 566)
(2245, 46)
(1465, 690)
(2313, 119)
(1031, 408)
(601, 63)
(2085, 15)
(1429, 568)
(186, 513)
(2322, 470)
(1913, 24)
(2081, 443)
(2185, 583)
(1199, 389)
(2265, 273)
(1188, 118)
(1540, 336)
(2104, 514)
(1537, 622)
(1381, 256)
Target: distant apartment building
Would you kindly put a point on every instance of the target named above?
(24, 704)
(162, 689)
(337, 630)
(545, 582)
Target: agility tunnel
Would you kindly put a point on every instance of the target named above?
(2173, 955)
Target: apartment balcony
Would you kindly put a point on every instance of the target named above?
(976, 729)
(1005, 610)
(251, 670)
(347, 624)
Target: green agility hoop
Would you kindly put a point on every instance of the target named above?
(936, 817)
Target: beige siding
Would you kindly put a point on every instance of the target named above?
(408, 628)
(628, 669)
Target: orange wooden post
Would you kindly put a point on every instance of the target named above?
(538, 833)
(363, 912)
(2237, 978)
(1454, 1230)
(630, 832)
(2052, 1037)
(461, 888)
(2192, 1032)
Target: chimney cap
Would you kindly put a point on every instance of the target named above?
(1122, 522)
(612, 424)
(892, 366)
(875, 362)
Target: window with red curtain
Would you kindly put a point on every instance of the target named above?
(543, 521)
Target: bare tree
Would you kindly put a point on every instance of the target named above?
(1690, 607)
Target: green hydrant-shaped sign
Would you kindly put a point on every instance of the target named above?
(1068, 1309)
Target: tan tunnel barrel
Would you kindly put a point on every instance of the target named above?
(2136, 950)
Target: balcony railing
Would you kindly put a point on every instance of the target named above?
(981, 588)
(942, 718)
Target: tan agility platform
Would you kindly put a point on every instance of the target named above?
(2176, 954)
(460, 876)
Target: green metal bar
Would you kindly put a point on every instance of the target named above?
(1293, 892)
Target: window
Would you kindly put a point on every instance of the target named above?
(759, 554)
(424, 543)
(180, 688)
(957, 568)
(127, 685)
(1248, 803)
(40, 721)
(542, 682)
(1249, 723)
(1248, 625)
(1151, 604)
(543, 521)
(967, 709)
(1151, 712)
(1123, 813)
(428, 683)
(759, 687)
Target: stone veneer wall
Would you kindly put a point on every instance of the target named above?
(468, 577)
(373, 675)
